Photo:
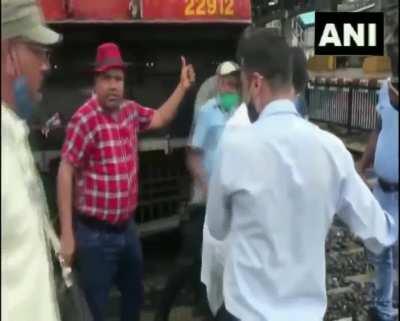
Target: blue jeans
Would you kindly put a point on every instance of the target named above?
(386, 262)
(107, 257)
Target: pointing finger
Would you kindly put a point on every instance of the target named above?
(183, 61)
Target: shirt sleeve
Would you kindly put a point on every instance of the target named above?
(144, 116)
(78, 140)
(13, 189)
(200, 131)
(360, 210)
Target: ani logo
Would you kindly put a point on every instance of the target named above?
(349, 33)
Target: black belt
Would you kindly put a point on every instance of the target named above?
(97, 224)
(388, 187)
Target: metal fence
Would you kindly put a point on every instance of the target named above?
(348, 103)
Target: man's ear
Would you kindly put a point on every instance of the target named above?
(10, 65)
(13, 67)
(258, 82)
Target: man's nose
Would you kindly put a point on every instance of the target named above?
(113, 84)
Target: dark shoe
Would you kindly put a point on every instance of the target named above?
(374, 316)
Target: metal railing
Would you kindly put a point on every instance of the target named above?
(348, 103)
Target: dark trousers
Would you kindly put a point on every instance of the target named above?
(188, 265)
(107, 257)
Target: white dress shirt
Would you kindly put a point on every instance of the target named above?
(239, 118)
(276, 188)
(27, 287)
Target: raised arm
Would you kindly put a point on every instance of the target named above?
(167, 112)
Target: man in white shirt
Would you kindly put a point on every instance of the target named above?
(276, 187)
(214, 251)
(27, 287)
(382, 152)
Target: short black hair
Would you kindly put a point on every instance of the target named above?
(245, 34)
(248, 31)
(300, 73)
(264, 51)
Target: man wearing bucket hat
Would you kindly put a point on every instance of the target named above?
(27, 281)
(100, 156)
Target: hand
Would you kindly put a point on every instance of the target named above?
(67, 250)
(188, 76)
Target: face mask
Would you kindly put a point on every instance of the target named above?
(228, 101)
(250, 106)
(23, 100)
(252, 111)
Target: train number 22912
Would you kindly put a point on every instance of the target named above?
(209, 7)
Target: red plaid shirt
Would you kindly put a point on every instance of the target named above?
(103, 149)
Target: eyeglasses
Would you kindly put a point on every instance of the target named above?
(40, 51)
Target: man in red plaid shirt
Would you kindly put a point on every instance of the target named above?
(98, 184)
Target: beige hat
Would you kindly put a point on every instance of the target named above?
(227, 68)
(23, 18)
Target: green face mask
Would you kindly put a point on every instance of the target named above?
(228, 101)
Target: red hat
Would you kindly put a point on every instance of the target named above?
(108, 57)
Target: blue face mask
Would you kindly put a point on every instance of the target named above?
(23, 99)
